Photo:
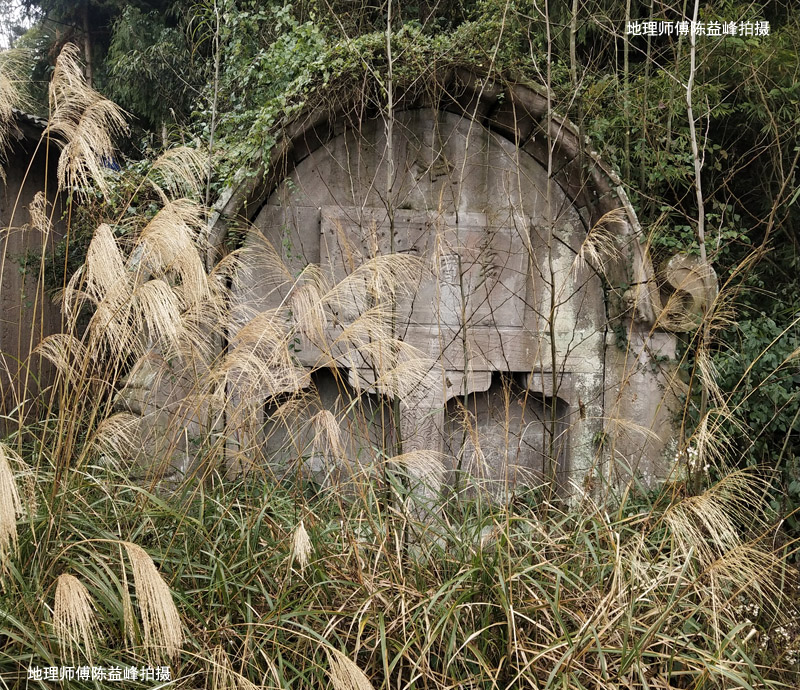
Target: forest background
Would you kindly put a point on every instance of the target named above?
(704, 135)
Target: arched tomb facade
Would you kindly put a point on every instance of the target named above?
(537, 299)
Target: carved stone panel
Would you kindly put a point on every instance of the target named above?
(468, 306)
(478, 271)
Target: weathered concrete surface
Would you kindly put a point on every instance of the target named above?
(27, 311)
(517, 321)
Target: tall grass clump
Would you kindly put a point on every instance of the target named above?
(144, 520)
(674, 592)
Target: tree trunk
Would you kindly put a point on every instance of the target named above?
(87, 44)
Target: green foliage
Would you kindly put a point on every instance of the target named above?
(761, 368)
(152, 71)
(261, 85)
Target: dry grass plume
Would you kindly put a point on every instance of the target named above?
(84, 123)
(10, 504)
(224, 677)
(301, 545)
(345, 674)
(162, 633)
(74, 621)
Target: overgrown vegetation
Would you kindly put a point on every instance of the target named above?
(246, 576)
(661, 596)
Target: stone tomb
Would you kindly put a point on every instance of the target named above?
(470, 311)
(546, 341)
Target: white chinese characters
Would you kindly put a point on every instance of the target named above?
(106, 673)
(684, 28)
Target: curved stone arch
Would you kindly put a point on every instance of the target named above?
(515, 111)
(519, 115)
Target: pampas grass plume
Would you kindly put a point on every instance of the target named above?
(74, 620)
(10, 504)
(84, 123)
(424, 465)
(301, 545)
(599, 248)
(326, 427)
(118, 436)
(224, 677)
(344, 673)
(178, 172)
(11, 96)
(162, 634)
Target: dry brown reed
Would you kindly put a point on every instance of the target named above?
(159, 297)
(326, 426)
(39, 213)
(178, 172)
(105, 265)
(425, 465)
(370, 326)
(710, 524)
(378, 280)
(301, 545)
(11, 96)
(118, 436)
(173, 243)
(344, 673)
(599, 248)
(258, 267)
(694, 297)
(223, 675)
(260, 363)
(10, 504)
(400, 369)
(307, 304)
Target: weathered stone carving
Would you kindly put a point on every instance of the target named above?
(528, 374)
(504, 295)
(691, 288)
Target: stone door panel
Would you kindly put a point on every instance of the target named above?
(476, 272)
